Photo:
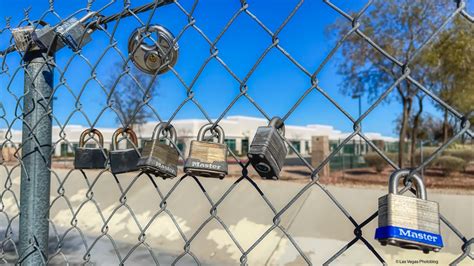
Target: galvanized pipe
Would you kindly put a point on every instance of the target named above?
(36, 159)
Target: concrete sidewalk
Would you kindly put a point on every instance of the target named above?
(315, 223)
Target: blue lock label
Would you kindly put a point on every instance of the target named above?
(409, 234)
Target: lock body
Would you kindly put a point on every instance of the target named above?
(90, 158)
(123, 161)
(267, 152)
(159, 159)
(71, 33)
(408, 222)
(207, 159)
(23, 40)
(48, 38)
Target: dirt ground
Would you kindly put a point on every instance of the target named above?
(367, 177)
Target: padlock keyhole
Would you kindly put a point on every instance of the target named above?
(263, 167)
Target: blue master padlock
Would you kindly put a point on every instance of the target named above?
(409, 222)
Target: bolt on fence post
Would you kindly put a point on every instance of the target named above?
(36, 159)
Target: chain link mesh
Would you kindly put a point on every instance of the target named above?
(11, 70)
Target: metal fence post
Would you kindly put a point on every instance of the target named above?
(36, 158)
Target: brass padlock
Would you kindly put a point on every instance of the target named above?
(207, 158)
(156, 57)
(90, 158)
(408, 222)
(123, 161)
(268, 150)
(158, 158)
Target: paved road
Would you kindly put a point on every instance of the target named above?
(319, 228)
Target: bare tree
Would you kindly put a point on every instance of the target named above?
(132, 92)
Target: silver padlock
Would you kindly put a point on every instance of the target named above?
(268, 150)
(408, 222)
(72, 33)
(155, 57)
(22, 38)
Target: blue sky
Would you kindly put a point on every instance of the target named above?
(276, 84)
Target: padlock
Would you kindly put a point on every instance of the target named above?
(90, 158)
(408, 222)
(158, 158)
(207, 158)
(22, 38)
(268, 150)
(72, 32)
(125, 160)
(158, 56)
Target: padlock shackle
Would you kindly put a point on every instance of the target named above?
(138, 49)
(88, 16)
(89, 131)
(138, 35)
(395, 178)
(207, 127)
(166, 127)
(128, 131)
(277, 123)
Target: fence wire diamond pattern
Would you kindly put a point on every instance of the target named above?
(107, 25)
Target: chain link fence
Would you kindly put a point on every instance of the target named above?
(45, 83)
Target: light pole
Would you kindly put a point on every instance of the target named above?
(358, 96)
(421, 158)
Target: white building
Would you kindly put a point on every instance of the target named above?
(239, 131)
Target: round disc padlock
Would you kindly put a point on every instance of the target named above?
(153, 52)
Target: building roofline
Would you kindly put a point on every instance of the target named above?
(328, 130)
